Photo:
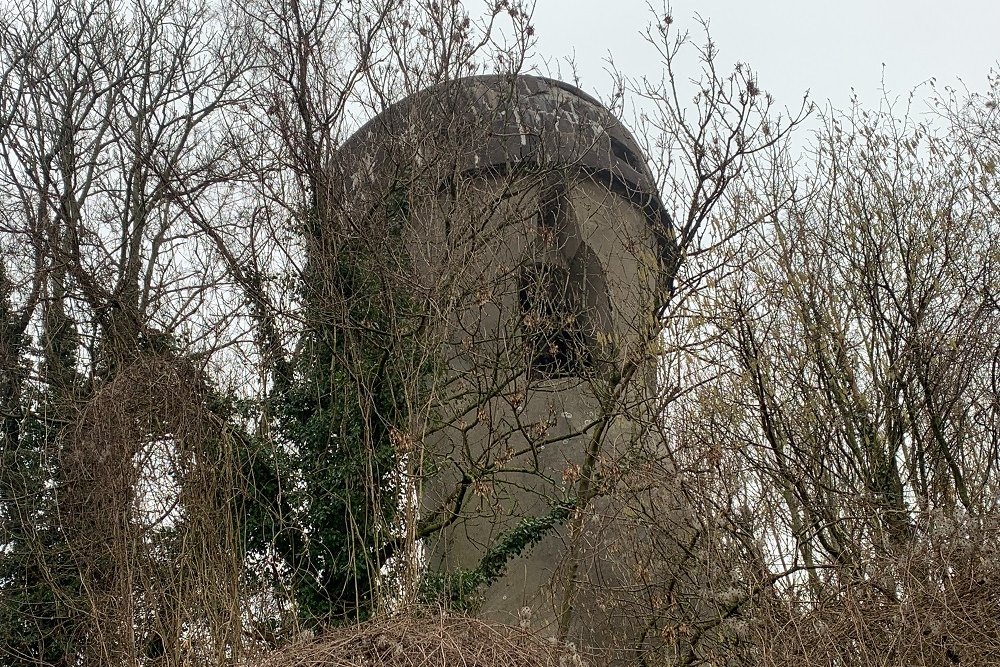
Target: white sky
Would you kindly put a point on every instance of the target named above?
(825, 47)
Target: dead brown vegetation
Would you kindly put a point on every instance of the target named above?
(425, 638)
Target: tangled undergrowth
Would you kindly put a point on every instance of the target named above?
(425, 640)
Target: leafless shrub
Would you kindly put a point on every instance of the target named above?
(424, 638)
(159, 561)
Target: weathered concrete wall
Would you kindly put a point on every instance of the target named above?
(524, 433)
(537, 244)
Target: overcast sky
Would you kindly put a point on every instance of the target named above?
(822, 46)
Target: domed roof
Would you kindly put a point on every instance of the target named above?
(497, 123)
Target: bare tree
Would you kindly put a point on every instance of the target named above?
(111, 138)
(840, 448)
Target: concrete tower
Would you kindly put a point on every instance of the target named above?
(540, 251)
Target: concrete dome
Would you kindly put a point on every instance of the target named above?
(496, 123)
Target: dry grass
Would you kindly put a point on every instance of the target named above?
(425, 639)
(956, 622)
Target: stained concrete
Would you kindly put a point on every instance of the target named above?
(500, 176)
